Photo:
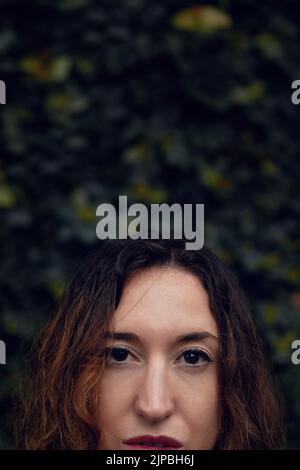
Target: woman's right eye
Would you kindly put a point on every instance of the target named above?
(117, 354)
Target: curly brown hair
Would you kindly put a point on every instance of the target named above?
(58, 394)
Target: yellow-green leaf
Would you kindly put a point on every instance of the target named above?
(283, 344)
(293, 275)
(271, 313)
(269, 168)
(43, 67)
(203, 19)
(143, 192)
(66, 102)
(7, 196)
(269, 44)
(213, 179)
(248, 94)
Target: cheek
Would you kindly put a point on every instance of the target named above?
(114, 398)
(113, 403)
(201, 410)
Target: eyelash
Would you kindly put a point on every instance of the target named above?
(204, 355)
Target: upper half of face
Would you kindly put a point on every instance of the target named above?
(161, 304)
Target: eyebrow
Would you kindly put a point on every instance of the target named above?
(132, 337)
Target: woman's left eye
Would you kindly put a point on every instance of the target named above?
(195, 356)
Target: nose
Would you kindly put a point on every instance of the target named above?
(154, 399)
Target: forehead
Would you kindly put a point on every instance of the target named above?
(164, 302)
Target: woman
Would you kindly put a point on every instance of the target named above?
(152, 346)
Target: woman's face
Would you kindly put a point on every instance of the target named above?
(161, 377)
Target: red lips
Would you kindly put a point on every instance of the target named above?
(153, 442)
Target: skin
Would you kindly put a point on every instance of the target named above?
(155, 389)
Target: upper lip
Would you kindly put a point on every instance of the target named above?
(152, 440)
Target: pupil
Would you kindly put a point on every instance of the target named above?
(191, 356)
(119, 354)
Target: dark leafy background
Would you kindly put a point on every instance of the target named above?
(165, 101)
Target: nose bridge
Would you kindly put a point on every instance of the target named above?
(154, 396)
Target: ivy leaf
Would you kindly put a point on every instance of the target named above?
(7, 196)
(43, 67)
(202, 19)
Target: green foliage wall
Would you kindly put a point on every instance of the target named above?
(165, 101)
